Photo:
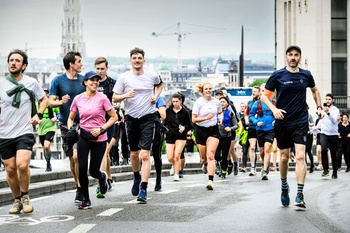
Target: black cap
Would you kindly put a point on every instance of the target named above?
(293, 47)
(219, 92)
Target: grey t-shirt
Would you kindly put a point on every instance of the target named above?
(14, 122)
(139, 105)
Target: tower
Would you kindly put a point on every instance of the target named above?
(72, 29)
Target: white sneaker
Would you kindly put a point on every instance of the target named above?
(210, 185)
(319, 167)
(27, 205)
(176, 177)
(16, 207)
(172, 170)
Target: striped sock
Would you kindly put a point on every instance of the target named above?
(300, 189)
(284, 184)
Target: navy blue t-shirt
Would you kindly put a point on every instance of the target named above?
(291, 94)
(62, 85)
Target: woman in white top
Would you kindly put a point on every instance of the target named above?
(207, 115)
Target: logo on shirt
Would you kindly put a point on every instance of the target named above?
(301, 81)
(288, 82)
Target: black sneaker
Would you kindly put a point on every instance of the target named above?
(48, 167)
(235, 170)
(324, 174)
(103, 183)
(158, 186)
(229, 169)
(136, 187)
(334, 175)
(85, 205)
(79, 196)
(110, 183)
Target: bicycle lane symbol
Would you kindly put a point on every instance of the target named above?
(15, 219)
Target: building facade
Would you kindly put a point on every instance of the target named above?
(320, 28)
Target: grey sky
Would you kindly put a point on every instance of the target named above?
(113, 27)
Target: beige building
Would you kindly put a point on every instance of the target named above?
(320, 28)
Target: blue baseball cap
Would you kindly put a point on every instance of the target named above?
(91, 74)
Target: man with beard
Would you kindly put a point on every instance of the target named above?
(18, 115)
(291, 114)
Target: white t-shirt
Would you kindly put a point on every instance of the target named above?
(139, 105)
(14, 122)
(203, 107)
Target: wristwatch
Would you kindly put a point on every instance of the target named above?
(102, 130)
(40, 115)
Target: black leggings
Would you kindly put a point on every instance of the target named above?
(346, 152)
(157, 152)
(308, 148)
(97, 150)
(222, 152)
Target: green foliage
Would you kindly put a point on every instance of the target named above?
(258, 82)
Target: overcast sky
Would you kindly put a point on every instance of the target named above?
(114, 27)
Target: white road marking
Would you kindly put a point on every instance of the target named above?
(110, 212)
(40, 198)
(169, 191)
(82, 228)
(194, 185)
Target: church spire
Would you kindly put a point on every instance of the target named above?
(72, 29)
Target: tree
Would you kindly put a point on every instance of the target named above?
(258, 82)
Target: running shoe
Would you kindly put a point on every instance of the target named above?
(210, 185)
(172, 172)
(319, 167)
(85, 205)
(252, 173)
(176, 177)
(110, 184)
(98, 192)
(16, 207)
(299, 201)
(285, 197)
(347, 169)
(229, 169)
(158, 186)
(27, 205)
(243, 169)
(204, 169)
(218, 170)
(181, 174)
(136, 187)
(264, 175)
(142, 198)
(235, 170)
(103, 183)
(79, 196)
(334, 175)
(48, 167)
(324, 174)
(223, 176)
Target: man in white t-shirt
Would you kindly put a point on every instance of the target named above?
(18, 93)
(139, 90)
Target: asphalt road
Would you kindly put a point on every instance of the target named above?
(237, 204)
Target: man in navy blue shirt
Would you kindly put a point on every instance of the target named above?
(291, 113)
